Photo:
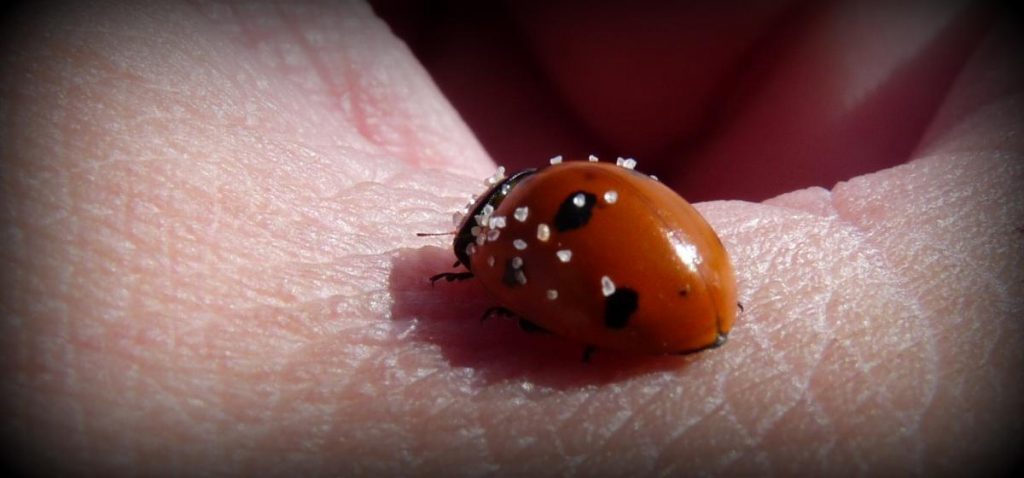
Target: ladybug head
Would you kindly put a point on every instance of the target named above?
(475, 223)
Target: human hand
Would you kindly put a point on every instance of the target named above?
(210, 263)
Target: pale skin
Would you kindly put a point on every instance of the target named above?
(209, 264)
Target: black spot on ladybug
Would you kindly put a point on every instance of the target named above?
(575, 211)
(513, 276)
(531, 328)
(619, 307)
(685, 291)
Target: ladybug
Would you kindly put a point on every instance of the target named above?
(601, 254)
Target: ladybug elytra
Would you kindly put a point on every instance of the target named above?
(602, 254)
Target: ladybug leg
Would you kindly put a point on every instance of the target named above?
(740, 305)
(525, 325)
(496, 311)
(588, 350)
(719, 341)
(451, 276)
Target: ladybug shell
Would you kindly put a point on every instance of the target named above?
(604, 255)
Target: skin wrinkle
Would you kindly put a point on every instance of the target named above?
(882, 394)
(758, 434)
(903, 282)
(366, 104)
(569, 425)
(517, 428)
(726, 437)
(758, 430)
(818, 360)
(632, 431)
(806, 392)
(610, 441)
(747, 443)
(648, 403)
(558, 406)
(340, 94)
(553, 428)
(755, 384)
(371, 101)
(943, 328)
(489, 440)
(681, 434)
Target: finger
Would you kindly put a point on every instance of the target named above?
(476, 55)
(950, 217)
(848, 91)
(644, 76)
(186, 191)
(722, 102)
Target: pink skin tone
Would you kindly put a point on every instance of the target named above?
(209, 261)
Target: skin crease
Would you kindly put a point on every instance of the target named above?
(209, 266)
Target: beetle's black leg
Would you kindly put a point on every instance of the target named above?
(740, 305)
(457, 263)
(497, 310)
(588, 350)
(719, 341)
(451, 276)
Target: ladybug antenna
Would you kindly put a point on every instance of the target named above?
(431, 234)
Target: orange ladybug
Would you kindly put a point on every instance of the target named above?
(601, 254)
